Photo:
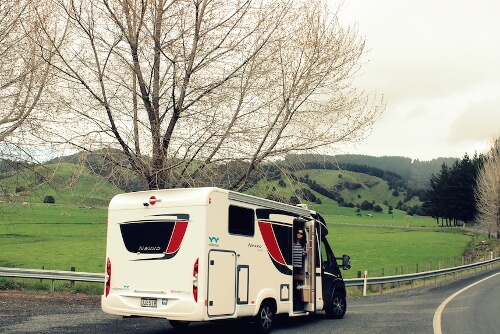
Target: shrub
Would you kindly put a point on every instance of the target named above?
(49, 199)
(294, 200)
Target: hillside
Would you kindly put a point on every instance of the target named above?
(67, 183)
(332, 190)
(415, 173)
(351, 190)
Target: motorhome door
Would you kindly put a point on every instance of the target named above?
(221, 283)
(309, 288)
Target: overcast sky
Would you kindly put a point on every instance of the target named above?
(437, 63)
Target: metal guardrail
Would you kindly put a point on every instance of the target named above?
(365, 281)
(54, 275)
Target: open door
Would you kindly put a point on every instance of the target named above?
(309, 287)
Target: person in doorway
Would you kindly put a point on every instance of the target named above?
(299, 252)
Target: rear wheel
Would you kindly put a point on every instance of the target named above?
(263, 321)
(178, 324)
(338, 306)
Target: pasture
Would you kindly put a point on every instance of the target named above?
(60, 237)
(54, 237)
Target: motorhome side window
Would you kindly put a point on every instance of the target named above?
(241, 221)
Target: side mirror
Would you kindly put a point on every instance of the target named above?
(346, 262)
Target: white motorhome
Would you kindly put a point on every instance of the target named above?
(205, 254)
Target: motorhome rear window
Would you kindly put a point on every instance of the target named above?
(147, 236)
(241, 221)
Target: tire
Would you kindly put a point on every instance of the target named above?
(337, 307)
(178, 324)
(263, 321)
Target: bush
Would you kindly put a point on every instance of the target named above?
(294, 200)
(306, 194)
(366, 205)
(49, 199)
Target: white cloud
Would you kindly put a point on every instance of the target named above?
(437, 64)
(479, 122)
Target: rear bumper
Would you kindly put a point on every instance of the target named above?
(168, 308)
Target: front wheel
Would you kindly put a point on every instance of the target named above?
(337, 308)
(263, 321)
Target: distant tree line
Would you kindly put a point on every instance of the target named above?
(451, 197)
(416, 173)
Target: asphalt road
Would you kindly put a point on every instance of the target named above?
(409, 311)
(474, 310)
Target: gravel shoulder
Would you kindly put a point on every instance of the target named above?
(18, 305)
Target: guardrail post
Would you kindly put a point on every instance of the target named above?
(72, 283)
(52, 285)
(382, 284)
(401, 273)
(365, 283)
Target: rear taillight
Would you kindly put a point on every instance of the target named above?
(108, 277)
(195, 281)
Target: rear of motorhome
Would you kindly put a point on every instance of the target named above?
(203, 254)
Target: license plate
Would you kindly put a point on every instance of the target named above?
(148, 302)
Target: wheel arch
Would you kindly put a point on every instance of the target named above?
(272, 302)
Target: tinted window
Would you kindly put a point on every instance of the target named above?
(241, 221)
(147, 237)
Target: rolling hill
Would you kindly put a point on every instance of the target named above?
(67, 183)
(338, 191)
(351, 190)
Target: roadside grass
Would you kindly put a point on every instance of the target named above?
(87, 288)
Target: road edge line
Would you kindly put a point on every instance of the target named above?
(436, 322)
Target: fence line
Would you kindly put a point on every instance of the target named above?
(363, 282)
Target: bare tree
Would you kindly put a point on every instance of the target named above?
(488, 191)
(186, 90)
(23, 73)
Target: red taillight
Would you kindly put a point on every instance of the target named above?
(195, 281)
(108, 277)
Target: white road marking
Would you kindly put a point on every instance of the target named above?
(436, 323)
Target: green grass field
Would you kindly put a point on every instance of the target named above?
(377, 249)
(59, 237)
(52, 237)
